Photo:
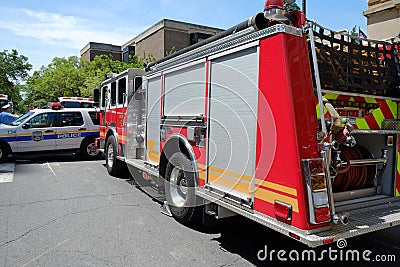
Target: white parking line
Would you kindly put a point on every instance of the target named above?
(7, 172)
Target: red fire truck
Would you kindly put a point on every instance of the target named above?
(277, 119)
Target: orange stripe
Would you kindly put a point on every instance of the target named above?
(229, 183)
(271, 197)
(229, 173)
(277, 187)
(259, 182)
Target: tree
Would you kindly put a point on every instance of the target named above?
(97, 70)
(293, 6)
(14, 69)
(62, 77)
(73, 76)
(170, 52)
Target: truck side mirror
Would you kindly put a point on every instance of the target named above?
(26, 126)
(96, 97)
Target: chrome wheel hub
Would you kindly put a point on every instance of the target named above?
(178, 187)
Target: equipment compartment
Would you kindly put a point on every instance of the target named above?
(372, 170)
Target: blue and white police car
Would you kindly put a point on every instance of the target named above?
(43, 130)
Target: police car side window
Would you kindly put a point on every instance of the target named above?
(71, 119)
(95, 117)
(43, 120)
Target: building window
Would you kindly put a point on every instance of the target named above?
(127, 51)
(197, 37)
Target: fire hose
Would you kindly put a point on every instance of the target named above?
(354, 177)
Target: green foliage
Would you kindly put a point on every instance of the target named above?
(293, 6)
(73, 76)
(14, 69)
(170, 52)
(354, 31)
(148, 58)
(61, 77)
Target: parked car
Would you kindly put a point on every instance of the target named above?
(51, 130)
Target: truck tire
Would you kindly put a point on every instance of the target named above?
(88, 149)
(4, 152)
(114, 166)
(180, 186)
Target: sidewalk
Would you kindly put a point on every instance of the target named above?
(7, 172)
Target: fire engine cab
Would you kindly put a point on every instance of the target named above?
(277, 119)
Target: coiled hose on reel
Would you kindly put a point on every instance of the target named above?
(354, 177)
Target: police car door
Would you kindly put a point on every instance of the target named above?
(37, 134)
(70, 129)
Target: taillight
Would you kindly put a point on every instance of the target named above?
(317, 191)
(283, 210)
(322, 215)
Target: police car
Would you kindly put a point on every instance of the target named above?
(49, 130)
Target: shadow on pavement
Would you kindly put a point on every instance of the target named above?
(251, 240)
(49, 157)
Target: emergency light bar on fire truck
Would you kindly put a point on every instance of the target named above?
(277, 119)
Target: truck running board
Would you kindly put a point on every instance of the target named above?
(361, 221)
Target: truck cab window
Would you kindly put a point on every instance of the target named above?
(104, 96)
(121, 90)
(138, 86)
(113, 94)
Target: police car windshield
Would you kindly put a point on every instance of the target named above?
(74, 104)
(22, 118)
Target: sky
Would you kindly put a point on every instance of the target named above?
(45, 29)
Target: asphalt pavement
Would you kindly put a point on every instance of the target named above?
(60, 211)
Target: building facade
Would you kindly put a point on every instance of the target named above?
(383, 19)
(163, 37)
(93, 49)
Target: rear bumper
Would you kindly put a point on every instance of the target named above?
(360, 220)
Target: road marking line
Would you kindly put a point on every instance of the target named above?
(7, 172)
(45, 253)
(51, 169)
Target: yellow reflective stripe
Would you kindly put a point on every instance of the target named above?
(397, 193)
(271, 197)
(398, 162)
(379, 117)
(75, 131)
(9, 135)
(229, 173)
(236, 185)
(331, 96)
(319, 113)
(393, 107)
(242, 184)
(362, 124)
(370, 100)
(121, 137)
(152, 154)
(201, 166)
(202, 175)
(277, 187)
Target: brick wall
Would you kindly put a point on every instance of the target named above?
(176, 39)
(154, 44)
